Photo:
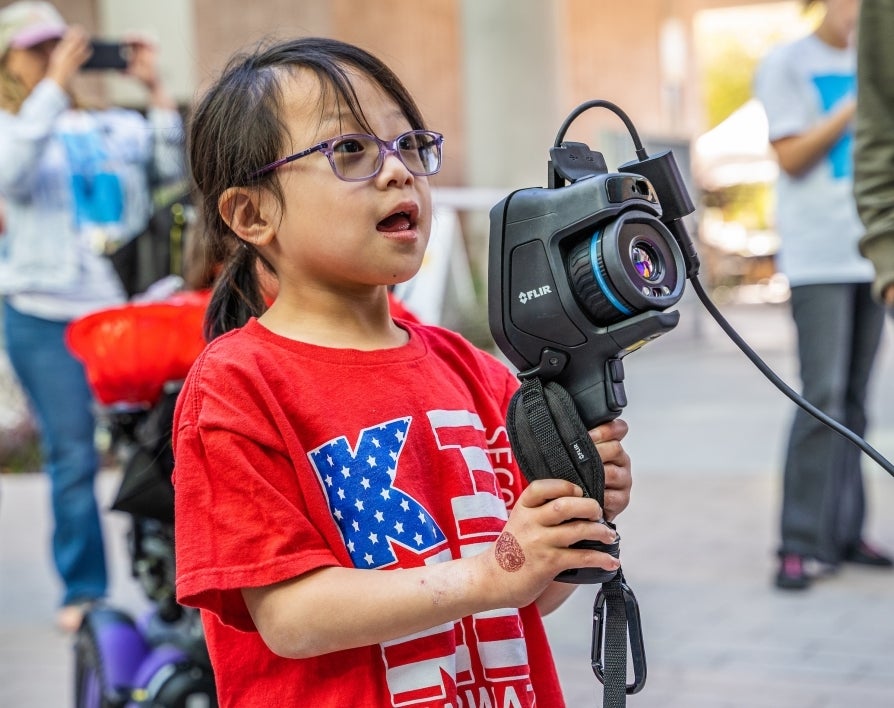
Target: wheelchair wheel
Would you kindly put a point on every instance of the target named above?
(108, 651)
(89, 678)
(172, 680)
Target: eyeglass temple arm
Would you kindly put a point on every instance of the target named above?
(286, 160)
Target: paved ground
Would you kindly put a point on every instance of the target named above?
(707, 431)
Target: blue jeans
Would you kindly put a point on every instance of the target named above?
(57, 388)
(823, 505)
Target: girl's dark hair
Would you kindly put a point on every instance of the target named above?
(237, 128)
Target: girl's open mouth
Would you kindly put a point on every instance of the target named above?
(399, 221)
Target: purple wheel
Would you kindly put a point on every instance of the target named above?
(108, 652)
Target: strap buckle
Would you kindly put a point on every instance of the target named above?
(634, 635)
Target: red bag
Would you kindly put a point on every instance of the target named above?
(131, 351)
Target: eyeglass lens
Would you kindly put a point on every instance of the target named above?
(360, 156)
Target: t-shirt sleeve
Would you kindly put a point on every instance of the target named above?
(241, 519)
(777, 87)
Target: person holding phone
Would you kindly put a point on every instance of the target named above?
(73, 182)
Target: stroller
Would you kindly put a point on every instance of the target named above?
(136, 356)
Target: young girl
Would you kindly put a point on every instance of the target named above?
(342, 478)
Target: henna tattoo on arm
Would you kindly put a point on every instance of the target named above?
(509, 554)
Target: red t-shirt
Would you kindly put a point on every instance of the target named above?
(291, 457)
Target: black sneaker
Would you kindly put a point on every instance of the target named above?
(792, 575)
(864, 554)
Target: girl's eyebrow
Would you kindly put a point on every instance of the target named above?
(338, 120)
(344, 121)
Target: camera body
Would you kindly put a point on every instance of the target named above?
(580, 275)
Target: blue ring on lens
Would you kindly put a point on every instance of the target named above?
(600, 279)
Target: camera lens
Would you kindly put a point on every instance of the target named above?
(646, 261)
(628, 266)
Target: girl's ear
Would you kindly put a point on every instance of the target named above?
(248, 213)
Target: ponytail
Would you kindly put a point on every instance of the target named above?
(237, 295)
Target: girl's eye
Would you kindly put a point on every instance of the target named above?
(411, 142)
(349, 145)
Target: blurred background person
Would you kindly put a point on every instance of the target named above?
(73, 181)
(874, 142)
(807, 89)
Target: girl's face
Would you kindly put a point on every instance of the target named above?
(343, 236)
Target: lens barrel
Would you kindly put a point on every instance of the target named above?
(630, 265)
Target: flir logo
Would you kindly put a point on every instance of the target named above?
(525, 296)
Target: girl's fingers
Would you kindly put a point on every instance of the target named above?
(540, 491)
(613, 430)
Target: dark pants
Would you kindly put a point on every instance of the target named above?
(823, 505)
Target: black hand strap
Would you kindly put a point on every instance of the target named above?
(551, 442)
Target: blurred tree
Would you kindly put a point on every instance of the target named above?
(726, 82)
(731, 48)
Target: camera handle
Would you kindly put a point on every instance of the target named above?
(551, 441)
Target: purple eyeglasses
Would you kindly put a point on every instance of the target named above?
(355, 157)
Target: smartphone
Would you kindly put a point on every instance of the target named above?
(107, 55)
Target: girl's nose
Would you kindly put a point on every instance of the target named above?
(393, 169)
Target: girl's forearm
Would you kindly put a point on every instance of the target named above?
(336, 608)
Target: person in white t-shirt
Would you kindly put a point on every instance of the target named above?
(807, 89)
